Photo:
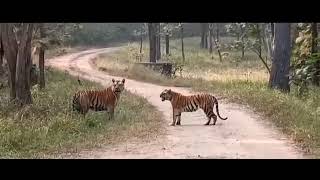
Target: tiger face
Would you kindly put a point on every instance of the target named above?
(117, 85)
(166, 95)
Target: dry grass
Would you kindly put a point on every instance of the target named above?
(240, 80)
(49, 126)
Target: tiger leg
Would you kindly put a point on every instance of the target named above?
(179, 120)
(174, 117)
(209, 113)
(84, 111)
(208, 122)
(111, 113)
(214, 117)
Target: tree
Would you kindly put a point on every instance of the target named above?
(210, 37)
(239, 30)
(182, 45)
(1, 56)
(267, 39)
(314, 34)
(217, 31)
(154, 41)
(140, 33)
(16, 39)
(255, 31)
(158, 41)
(49, 35)
(41, 57)
(167, 38)
(204, 35)
(10, 47)
(279, 76)
(23, 68)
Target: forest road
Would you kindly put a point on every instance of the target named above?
(243, 135)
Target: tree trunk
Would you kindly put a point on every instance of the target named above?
(260, 40)
(210, 37)
(152, 42)
(167, 43)
(10, 51)
(1, 56)
(182, 45)
(158, 41)
(217, 31)
(279, 76)
(268, 41)
(141, 41)
(272, 30)
(41, 58)
(204, 36)
(23, 71)
(314, 32)
(242, 42)
(242, 51)
(294, 34)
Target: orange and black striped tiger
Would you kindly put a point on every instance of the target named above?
(103, 100)
(181, 103)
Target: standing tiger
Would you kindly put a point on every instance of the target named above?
(103, 100)
(181, 103)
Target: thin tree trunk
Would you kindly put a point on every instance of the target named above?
(259, 49)
(210, 37)
(314, 33)
(279, 76)
(204, 35)
(268, 41)
(152, 42)
(242, 42)
(140, 50)
(167, 39)
(182, 45)
(41, 59)
(1, 56)
(242, 52)
(23, 71)
(158, 42)
(10, 51)
(167, 44)
(272, 30)
(294, 34)
(217, 31)
(218, 49)
(205, 43)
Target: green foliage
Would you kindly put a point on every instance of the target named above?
(240, 31)
(104, 33)
(55, 34)
(304, 64)
(304, 73)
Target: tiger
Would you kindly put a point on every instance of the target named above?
(99, 100)
(181, 103)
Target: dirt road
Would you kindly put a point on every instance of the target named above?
(243, 135)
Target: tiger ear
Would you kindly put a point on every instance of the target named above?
(123, 80)
(113, 80)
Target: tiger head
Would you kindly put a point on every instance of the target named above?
(166, 95)
(117, 85)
